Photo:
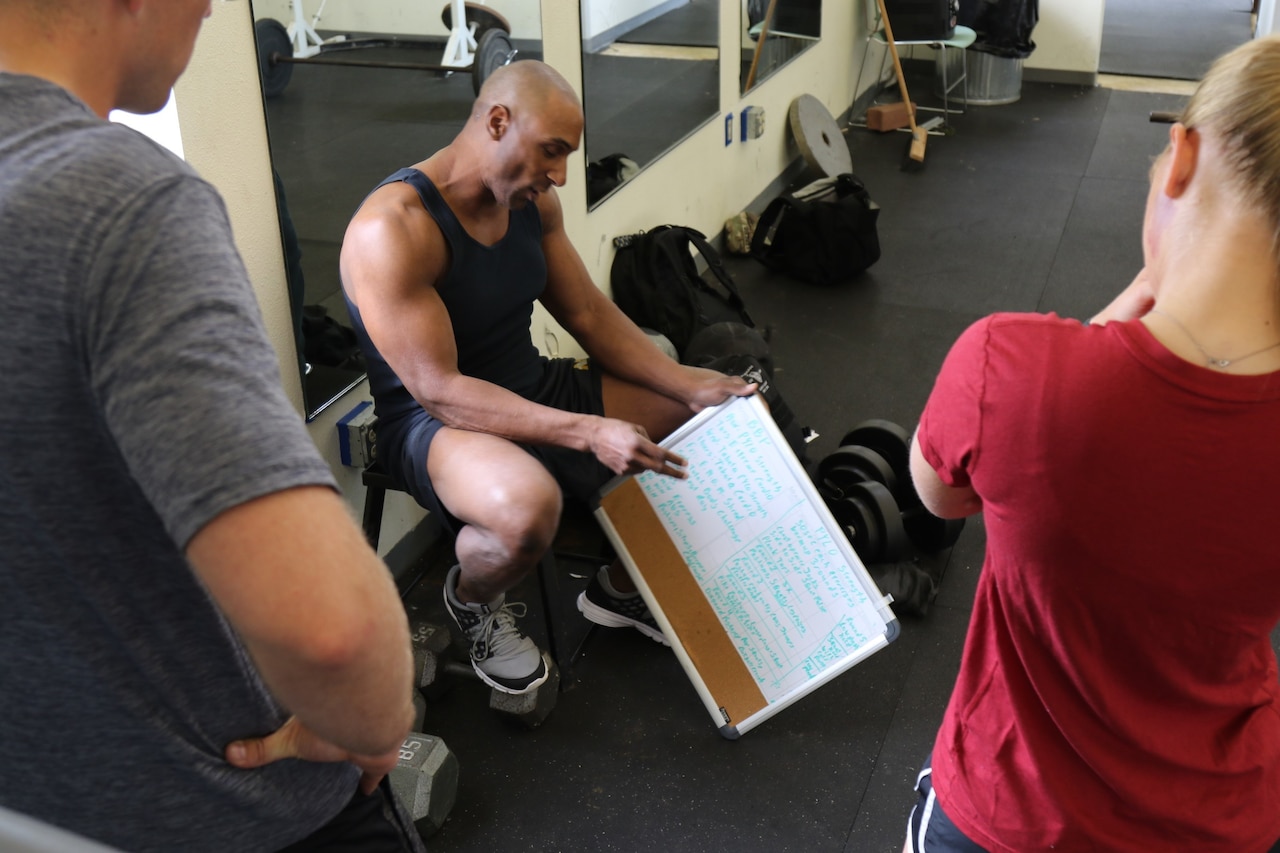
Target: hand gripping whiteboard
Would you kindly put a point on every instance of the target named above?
(744, 568)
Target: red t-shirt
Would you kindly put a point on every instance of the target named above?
(1118, 690)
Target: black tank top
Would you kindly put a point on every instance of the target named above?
(489, 292)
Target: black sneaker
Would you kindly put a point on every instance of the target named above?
(603, 605)
(503, 657)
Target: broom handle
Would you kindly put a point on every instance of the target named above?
(764, 34)
(897, 65)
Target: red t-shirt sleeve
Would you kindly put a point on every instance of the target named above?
(951, 425)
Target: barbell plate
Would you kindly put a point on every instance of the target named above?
(893, 442)
(847, 465)
(858, 522)
(493, 50)
(887, 517)
(485, 18)
(273, 40)
(818, 137)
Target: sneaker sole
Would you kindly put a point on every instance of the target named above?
(502, 688)
(609, 619)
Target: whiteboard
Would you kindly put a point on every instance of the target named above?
(744, 568)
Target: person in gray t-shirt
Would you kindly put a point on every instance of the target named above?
(184, 599)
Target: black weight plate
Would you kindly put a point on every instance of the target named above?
(858, 520)
(893, 442)
(930, 533)
(493, 50)
(484, 17)
(847, 465)
(273, 41)
(887, 517)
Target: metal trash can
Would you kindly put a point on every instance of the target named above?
(993, 80)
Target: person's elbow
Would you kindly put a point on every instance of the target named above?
(950, 502)
(347, 641)
(940, 499)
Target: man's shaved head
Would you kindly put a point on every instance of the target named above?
(525, 123)
(529, 83)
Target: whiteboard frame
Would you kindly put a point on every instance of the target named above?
(732, 729)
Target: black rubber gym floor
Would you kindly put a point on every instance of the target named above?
(1170, 38)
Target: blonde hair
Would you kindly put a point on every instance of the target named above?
(1239, 104)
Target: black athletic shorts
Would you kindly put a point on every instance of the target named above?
(929, 830)
(571, 385)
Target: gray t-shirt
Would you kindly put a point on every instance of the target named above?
(141, 400)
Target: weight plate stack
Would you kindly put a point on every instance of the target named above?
(893, 442)
(871, 520)
(846, 466)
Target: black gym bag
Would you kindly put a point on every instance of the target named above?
(824, 233)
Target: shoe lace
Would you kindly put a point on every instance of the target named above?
(498, 634)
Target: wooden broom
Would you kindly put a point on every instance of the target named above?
(755, 56)
(915, 152)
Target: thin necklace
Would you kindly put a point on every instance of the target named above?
(1212, 361)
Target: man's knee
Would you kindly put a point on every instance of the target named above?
(522, 516)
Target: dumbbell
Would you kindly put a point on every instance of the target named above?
(869, 516)
(892, 443)
(866, 451)
(434, 658)
(425, 781)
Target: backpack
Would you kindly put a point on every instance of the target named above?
(656, 283)
(605, 174)
(751, 369)
(824, 233)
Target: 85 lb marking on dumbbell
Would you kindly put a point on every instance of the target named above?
(425, 781)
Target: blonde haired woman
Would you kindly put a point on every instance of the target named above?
(1118, 690)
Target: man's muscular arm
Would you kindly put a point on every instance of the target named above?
(612, 340)
(392, 257)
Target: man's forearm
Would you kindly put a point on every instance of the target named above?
(463, 402)
(317, 610)
(360, 697)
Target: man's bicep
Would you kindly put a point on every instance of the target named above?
(282, 565)
(390, 274)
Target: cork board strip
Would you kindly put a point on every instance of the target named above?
(674, 591)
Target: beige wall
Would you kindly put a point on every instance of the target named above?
(700, 183)
(1068, 37)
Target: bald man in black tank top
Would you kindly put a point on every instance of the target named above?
(440, 267)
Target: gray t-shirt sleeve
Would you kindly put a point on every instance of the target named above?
(179, 361)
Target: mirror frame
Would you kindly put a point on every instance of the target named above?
(609, 163)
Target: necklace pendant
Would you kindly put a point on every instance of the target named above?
(1220, 362)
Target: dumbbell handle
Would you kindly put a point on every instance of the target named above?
(464, 670)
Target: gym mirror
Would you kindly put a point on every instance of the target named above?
(773, 33)
(650, 77)
(355, 90)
